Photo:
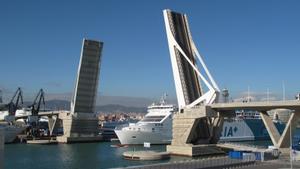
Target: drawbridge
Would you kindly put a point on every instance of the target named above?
(198, 123)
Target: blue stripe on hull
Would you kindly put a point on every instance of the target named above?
(247, 130)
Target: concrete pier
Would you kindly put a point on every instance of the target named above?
(79, 128)
(145, 155)
(204, 163)
(195, 132)
(194, 150)
(194, 128)
(41, 142)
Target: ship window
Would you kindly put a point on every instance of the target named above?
(153, 129)
(133, 137)
(153, 118)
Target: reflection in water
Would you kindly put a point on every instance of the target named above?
(81, 156)
(74, 156)
(69, 156)
(84, 155)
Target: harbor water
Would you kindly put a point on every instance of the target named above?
(98, 155)
(73, 156)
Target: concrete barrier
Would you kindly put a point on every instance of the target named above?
(206, 163)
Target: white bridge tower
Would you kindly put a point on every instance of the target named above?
(184, 55)
(195, 124)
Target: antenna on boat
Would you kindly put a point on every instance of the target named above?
(248, 98)
(163, 98)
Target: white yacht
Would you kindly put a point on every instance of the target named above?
(154, 128)
(8, 123)
(11, 131)
(25, 111)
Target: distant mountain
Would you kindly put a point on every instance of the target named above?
(106, 104)
(57, 104)
(124, 100)
(109, 108)
(53, 104)
(114, 108)
(56, 99)
(127, 101)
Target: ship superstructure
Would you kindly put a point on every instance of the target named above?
(155, 127)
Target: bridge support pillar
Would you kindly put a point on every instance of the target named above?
(79, 128)
(195, 132)
(54, 123)
(284, 140)
(271, 128)
(280, 141)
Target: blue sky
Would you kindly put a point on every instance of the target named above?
(244, 43)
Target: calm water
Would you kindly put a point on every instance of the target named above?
(71, 156)
(79, 156)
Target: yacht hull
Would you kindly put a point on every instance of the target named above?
(11, 132)
(138, 137)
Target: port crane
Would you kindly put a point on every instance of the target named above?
(36, 105)
(13, 105)
(35, 108)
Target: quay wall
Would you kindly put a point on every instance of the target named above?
(207, 163)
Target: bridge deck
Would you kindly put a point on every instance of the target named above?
(241, 147)
(259, 106)
(48, 113)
